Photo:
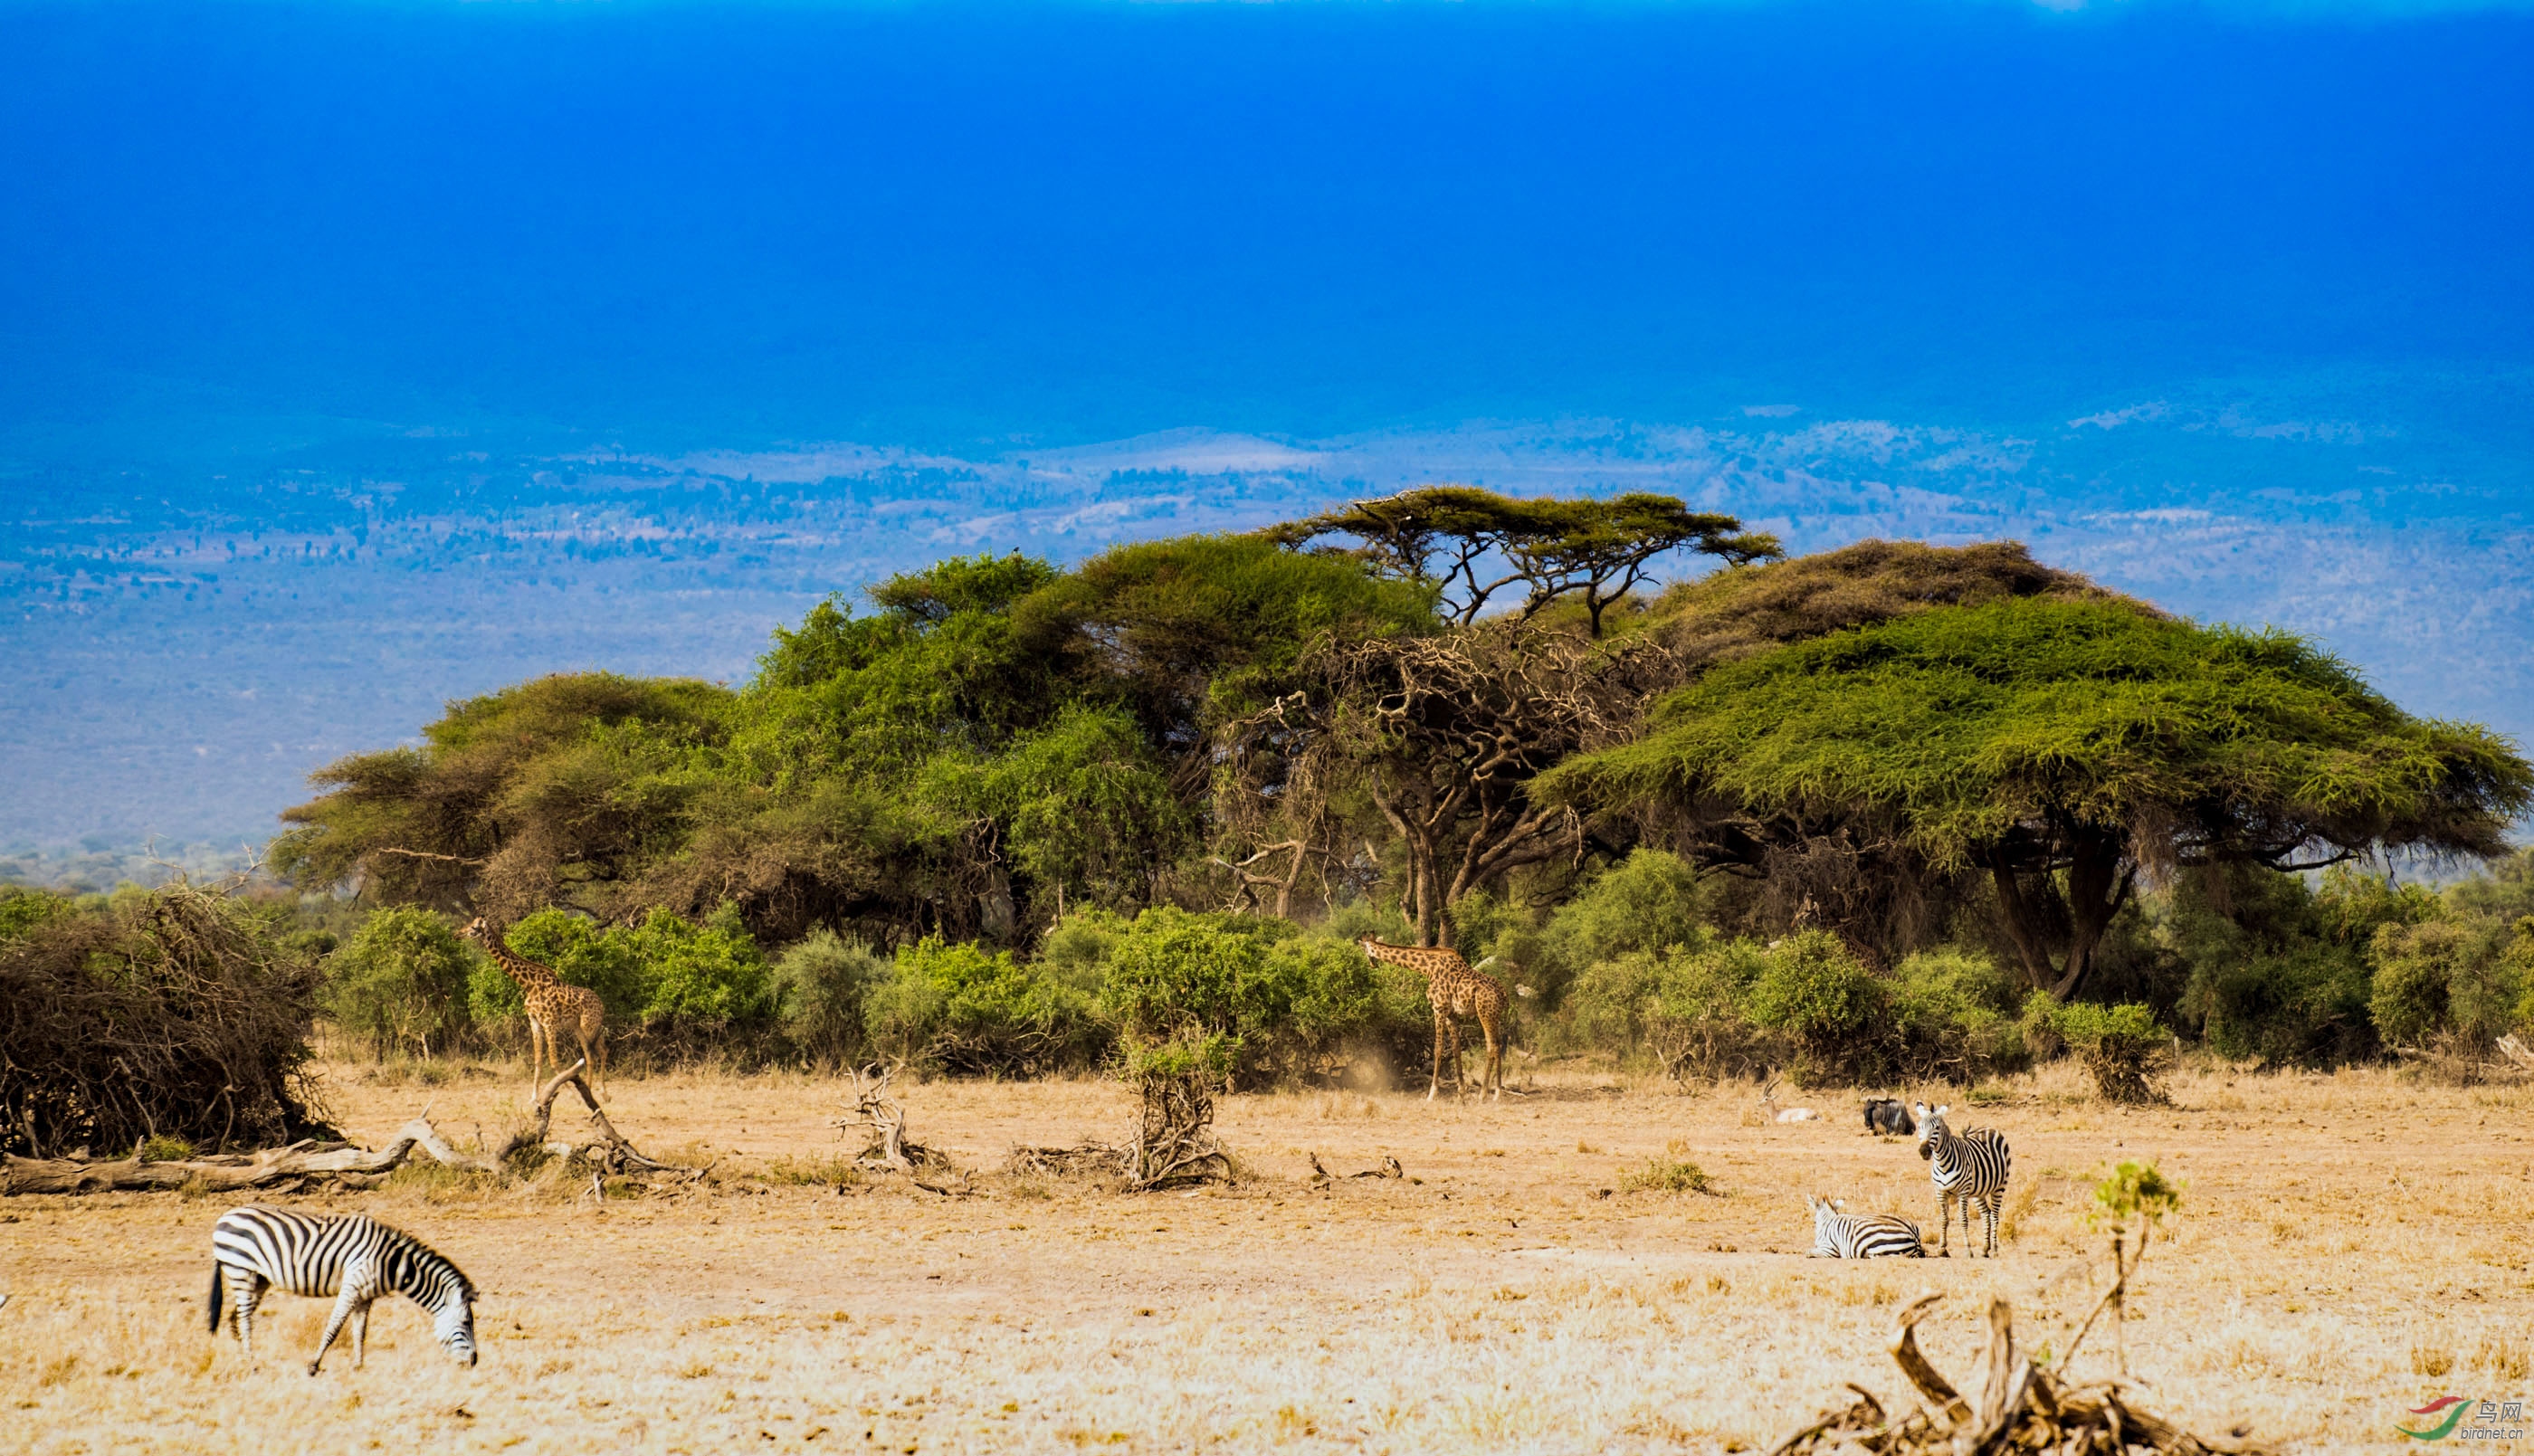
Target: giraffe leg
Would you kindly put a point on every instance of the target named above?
(1442, 1031)
(1494, 1074)
(592, 1041)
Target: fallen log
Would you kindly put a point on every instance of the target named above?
(229, 1172)
(2516, 1054)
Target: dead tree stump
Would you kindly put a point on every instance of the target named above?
(606, 1153)
(2020, 1408)
(889, 1149)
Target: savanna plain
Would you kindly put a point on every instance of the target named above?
(2348, 1246)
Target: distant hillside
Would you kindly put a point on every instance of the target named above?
(185, 645)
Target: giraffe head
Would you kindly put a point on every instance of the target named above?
(478, 929)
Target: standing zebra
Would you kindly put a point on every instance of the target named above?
(358, 1256)
(1971, 1166)
(1838, 1235)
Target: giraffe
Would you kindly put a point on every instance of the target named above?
(553, 1006)
(1454, 990)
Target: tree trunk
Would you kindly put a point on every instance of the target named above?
(1421, 833)
(2098, 887)
(2023, 922)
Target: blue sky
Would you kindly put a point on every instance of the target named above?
(955, 223)
(2232, 303)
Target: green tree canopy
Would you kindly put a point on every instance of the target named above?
(2062, 747)
(1466, 545)
(993, 737)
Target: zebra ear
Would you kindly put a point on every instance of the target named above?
(1948, 1107)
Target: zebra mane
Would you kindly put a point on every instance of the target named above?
(429, 1260)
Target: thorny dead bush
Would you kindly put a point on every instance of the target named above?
(177, 1014)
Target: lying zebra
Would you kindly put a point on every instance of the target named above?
(1877, 1235)
(356, 1258)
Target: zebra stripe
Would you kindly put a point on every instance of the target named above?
(355, 1258)
(1970, 1166)
(1877, 1235)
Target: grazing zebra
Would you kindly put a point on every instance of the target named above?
(1972, 1166)
(360, 1257)
(1877, 1236)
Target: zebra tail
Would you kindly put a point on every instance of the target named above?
(215, 1297)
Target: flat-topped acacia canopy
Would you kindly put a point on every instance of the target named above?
(2063, 746)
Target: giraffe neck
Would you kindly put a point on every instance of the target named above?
(1433, 962)
(530, 974)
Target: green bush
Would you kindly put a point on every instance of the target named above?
(1610, 1005)
(2504, 891)
(2446, 979)
(1284, 1003)
(957, 1007)
(1694, 1020)
(1647, 904)
(1954, 1017)
(1076, 949)
(2123, 1047)
(402, 983)
(2351, 906)
(1172, 972)
(2304, 1005)
(699, 982)
(1204, 1058)
(22, 910)
(2037, 1022)
(1816, 991)
(821, 984)
(2409, 997)
(2519, 961)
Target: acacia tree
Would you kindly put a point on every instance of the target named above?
(2063, 748)
(1466, 545)
(1443, 735)
(995, 741)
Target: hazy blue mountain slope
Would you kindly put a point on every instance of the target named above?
(182, 664)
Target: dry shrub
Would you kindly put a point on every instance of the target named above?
(2502, 1357)
(1667, 1176)
(174, 1015)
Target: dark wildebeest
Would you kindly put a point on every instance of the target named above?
(1889, 1117)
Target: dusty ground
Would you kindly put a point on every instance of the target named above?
(2350, 1247)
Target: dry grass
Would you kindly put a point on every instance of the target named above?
(2351, 1246)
